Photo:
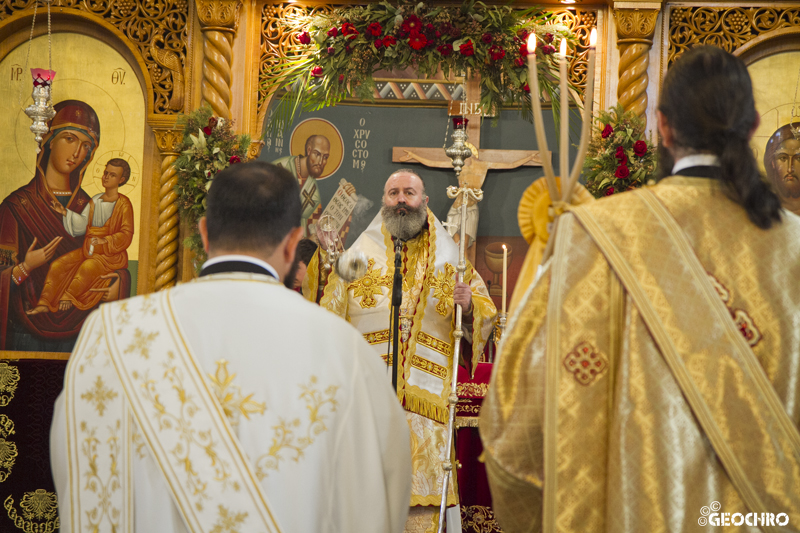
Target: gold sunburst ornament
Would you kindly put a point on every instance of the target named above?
(443, 285)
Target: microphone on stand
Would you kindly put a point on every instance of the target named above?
(397, 300)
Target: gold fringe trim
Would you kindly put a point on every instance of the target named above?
(426, 408)
(467, 422)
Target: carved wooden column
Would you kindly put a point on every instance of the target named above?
(635, 29)
(168, 141)
(219, 20)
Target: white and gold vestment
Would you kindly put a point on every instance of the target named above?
(227, 404)
(426, 332)
(653, 371)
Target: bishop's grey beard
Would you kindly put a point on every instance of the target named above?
(404, 227)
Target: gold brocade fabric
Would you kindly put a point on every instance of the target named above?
(584, 410)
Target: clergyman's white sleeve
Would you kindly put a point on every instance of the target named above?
(373, 454)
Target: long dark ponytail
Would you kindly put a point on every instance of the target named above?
(707, 99)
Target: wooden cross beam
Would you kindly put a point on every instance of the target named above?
(476, 167)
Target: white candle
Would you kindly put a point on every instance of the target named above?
(588, 104)
(563, 166)
(505, 272)
(538, 121)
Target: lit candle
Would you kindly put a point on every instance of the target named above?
(505, 271)
(588, 104)
(563, 165)
(538, 121)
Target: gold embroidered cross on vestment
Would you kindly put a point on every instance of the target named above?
(443, 285)
(370, 285)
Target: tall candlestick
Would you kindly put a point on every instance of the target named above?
(505, 272)
(563, 166)
(538, 121)
(588, 104)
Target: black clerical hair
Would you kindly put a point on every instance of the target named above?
(306, 249)
(252, 206)
(707, 99)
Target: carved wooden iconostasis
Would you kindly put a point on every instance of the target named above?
(366, 139)
(121, 80)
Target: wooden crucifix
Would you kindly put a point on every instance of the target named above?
(475, 168)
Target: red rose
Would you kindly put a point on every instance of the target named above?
(333, 32)
(331, 50)
(389, 41)
(639, 148)
(467, 49)
(445, 49)
(519, 62)
(607, 131)
(547, 49)
(349, 29)
(207, 130)
(523, 49)
(212, 122)
(375, 29)
(378, 43)
(620, 155)
(526, 88)
(486, 38)
(609, 191)
(317, 72)
(497, 52)
(523, 34)
(341, 78)
(304, 38)
(622, 172)
(417, 40)
(548, 37)
(234, 159)
(347, 49)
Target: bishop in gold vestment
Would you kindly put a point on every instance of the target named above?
(426, 337)
(650, 381)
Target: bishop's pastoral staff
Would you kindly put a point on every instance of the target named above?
(192, 410)
(650, 381)
(430, 292)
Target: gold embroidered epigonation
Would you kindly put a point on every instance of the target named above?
(9, 378)
(370, 285)
(230, 396)
(585, 363)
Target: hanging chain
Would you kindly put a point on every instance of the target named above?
(28, 55)
(49, 50)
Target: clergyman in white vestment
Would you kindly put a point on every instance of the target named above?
(230, 403)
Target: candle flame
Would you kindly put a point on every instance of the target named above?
(593, 38)
(563, 47)
(504, 247)
(532, 44)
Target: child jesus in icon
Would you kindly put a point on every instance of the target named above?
(80, 277)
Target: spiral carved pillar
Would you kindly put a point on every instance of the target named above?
(219, 20)
(635, 29)
(167, 247)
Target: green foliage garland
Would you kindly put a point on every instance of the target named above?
(618, 158)
(209, 145)
(345, 48)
